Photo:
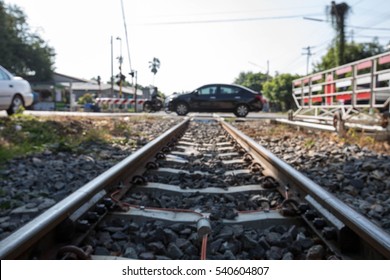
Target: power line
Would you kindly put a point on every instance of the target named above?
(213, 13)
(226, 20)
(127, 38)
(357, 3)
(291, 64)
(350, 26)
(369, 28)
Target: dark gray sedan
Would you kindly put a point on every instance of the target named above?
(218, 98)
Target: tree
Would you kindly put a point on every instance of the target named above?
(279, 91)
(251, 80)
(339, 14)
(23, 52)
(353, 52)
(86, 98)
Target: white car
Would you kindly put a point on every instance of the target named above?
(15, 92)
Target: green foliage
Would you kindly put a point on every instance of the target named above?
(23, 134)
(279, 90)
(251, 80)
(95, 135)
(353, 52)
(20, 135)
(86, 98)
(22, 51)
(121, 128)
(309, 143)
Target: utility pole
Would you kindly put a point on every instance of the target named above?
(308, 53)
(352, 34)
(120, 58)
(99, 79)
(112, 68)
(135, 74)
(267, 70)
(261, 67)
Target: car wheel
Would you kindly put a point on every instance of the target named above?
(158, 105)
(16, 103)
(241, 111)
(147, 107)
(181, 109)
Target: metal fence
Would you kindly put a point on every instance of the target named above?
(347, 92)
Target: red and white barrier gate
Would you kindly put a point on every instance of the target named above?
(116, 102)
(358, 92)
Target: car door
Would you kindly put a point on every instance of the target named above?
(6, 90)
(203, 98)
(229, 97)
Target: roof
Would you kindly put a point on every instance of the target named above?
(62, 78)
(225, 84)
(93, 86)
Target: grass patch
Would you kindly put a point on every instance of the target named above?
(23, 134)
(309, 143)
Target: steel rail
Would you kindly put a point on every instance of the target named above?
(365, 229)
(24, 238)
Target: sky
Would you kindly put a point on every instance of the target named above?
(196, 41)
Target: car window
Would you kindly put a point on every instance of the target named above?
(229, 90)
(3, 75)
(210, 90)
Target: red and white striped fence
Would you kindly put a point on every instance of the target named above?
(118, 101)
(112, 104)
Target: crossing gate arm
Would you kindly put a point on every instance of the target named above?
(358, 88)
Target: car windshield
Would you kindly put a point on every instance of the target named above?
(3, 75)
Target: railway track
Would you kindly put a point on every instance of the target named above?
(202, 190)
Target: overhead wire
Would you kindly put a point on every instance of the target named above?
(373, 21)
(235, 12)
(226, 20)
(369, 28)
(361, 28)
(126, 35)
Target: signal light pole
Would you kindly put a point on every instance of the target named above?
(120, 58)
(134, 74)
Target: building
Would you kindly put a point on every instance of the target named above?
(63, 91)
